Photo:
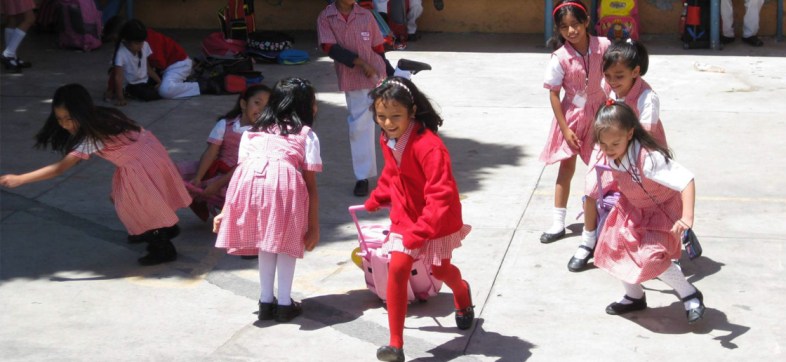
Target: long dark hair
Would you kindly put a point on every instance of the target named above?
(619, 115)
(249, 93)
(405, 92)
(630, 53)
(95, 123)
(132, 30)
(561, 9)
(291, 106)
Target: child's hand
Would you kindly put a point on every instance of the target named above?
(369, 71)
(680, 226)
(212, 189)
(120, 102)
(217, 222)
(311, 239)
(196, 182)
(10, 181)
(571, 138)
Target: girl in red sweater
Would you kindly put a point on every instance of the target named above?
(425, 211)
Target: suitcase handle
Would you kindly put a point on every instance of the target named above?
(353, 212)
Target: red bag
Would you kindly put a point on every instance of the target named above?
(234, 83)
(215, 46)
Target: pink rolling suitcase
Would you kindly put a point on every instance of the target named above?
(373, 259)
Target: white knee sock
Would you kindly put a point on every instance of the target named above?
(674, 278)
(285, 267)
(588, 239)
(9, 32)
(558, 224)
(13, 43)
(634, 291)
(267, 274)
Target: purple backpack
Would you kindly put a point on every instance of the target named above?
(80, 25)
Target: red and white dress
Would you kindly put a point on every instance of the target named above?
(146, 187)
(580, 77)
(637, 243)
(266, 207)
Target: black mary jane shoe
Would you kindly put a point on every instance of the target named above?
(547, 238)
(267, 311)
(465, 316)
(575, 264)
(286, 313)
(11, 64)
(620, 308)
(694, 314)
(390, 354)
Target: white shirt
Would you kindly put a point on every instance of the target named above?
(648, 104)
(670, 174)
(312, 149)
(217, 134)
(134, 67)
(87, 148)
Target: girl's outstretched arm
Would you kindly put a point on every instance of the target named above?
(312, 234)
(688, 202)
(559, 114)
(43, 173)
(118, 78)
(207, 159)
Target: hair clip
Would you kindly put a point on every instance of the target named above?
(610, 102)
(629, 41)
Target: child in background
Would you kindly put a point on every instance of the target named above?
(349, 34)
(576, 68)
(425, 211)
(624, 63)
(271, 207)
(214, 169)
(146, 188)
(140, 54)
(643, 230)
(18, 16)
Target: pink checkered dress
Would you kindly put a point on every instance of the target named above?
(266, 205)
(574, 82)
(637, 244)
(146, 187)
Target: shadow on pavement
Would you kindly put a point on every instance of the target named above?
(502, 348)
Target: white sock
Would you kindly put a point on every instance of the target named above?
(558, 220)
(267, 274)
(588, 239)
(674, 278)
(9, 32)
(13, 43)
(285, 267)
(634, 291)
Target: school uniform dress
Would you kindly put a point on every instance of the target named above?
(146, 187)
(227, 135)
(417, 181)
(172, 60)
(359, 34)
(646, 104)
(580, 77)
(637, 243)
(266, 207)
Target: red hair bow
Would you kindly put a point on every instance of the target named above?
(610, 102)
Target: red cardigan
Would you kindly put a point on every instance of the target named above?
(422, 193)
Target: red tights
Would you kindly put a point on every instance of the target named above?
(398, 279)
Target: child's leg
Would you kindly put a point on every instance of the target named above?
(588, 236)
(561, 193)
(173, 81)
(451, 275)
(632, 301)
(285, 267)
(267, 274)
(398, 280)
(674, 278)
(361, 135)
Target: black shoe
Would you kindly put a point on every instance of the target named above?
(546, 238)
(23, 63)
(575, 264)
(439, 5)
(695, 314)
(285, 313)
(249, 257)
(726, 39)
(160, 248)
(361, 188)
(390, 354)
(753, 41)
(412, 66)
(136, 239)
(11, 64)
(413, 37)
(464, 317)
(267, 311)
(172, 231)
(619, 308)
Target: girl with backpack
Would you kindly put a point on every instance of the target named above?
(146, 188)
(576, 68)
(272, 206)
(140, 55)
(656, 206)
(425, 212)
(215, 168)
(18, 16)
(624, 65)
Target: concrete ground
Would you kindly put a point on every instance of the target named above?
(71, 290)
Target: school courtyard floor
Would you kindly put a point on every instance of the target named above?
(71, 290)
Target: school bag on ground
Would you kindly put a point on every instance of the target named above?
(695, 33)
(79, 24)
(374, 260)
(237, 19)
(216, 46)
(618, 19)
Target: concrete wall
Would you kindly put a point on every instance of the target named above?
(492, 16)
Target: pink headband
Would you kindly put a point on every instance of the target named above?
(578, 5)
